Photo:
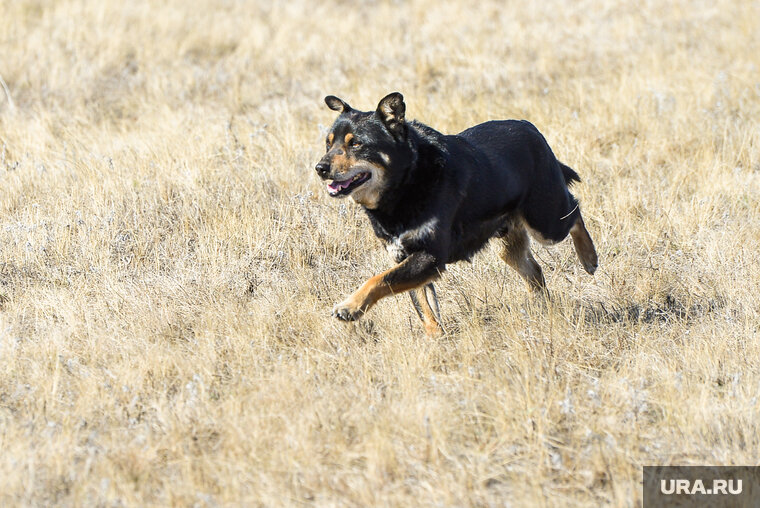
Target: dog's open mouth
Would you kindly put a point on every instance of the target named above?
(345, 187)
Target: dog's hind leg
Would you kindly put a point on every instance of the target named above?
(516, 253)
(584, 246)
(430, 314)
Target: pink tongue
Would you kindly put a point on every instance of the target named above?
(339, 185)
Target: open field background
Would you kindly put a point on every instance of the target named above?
(168, 258)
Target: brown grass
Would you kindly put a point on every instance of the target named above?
(168, 259)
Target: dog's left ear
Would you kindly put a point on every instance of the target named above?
(391, 110)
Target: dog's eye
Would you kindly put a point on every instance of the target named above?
(355, 143)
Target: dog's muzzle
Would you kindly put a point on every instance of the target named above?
(323, 169)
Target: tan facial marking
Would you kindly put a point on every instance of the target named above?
(348, 138)
(331, 138)
(342, 163)
(369, 194)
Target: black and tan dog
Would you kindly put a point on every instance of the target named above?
(434, 199)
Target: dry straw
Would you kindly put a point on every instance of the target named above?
(168, 259)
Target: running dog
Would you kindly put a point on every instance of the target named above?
(434, 199)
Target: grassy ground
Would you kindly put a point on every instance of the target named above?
(168, 258)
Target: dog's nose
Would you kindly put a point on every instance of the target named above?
(322, 168)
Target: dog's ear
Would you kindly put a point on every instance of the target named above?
(391, 111)
(336, 104)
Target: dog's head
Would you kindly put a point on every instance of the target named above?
(367, 152)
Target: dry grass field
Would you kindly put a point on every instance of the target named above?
(169, 259)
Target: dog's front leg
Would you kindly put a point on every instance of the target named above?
(416, 270)
(425, 302)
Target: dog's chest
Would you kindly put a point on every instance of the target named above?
(396, 249)
(402, 239)
(401, 245)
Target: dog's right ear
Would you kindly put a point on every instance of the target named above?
(336, 104)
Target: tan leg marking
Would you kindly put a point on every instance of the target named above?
(584, 246)
(429, 314)
(516, 253)
(376, 288)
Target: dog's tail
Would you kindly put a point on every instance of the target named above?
(569, 174)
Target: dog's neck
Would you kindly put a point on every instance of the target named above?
(405, 192)
(395, 194)
(425, 143)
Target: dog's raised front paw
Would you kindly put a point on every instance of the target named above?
(346, 311)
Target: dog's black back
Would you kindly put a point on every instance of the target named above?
(476, 184)
(539, 190)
